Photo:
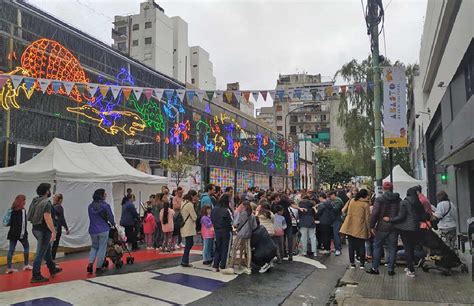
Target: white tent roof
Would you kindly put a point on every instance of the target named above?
(402, 181)
(63, 160)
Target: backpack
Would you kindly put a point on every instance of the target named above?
(7, 218)
(178, 221)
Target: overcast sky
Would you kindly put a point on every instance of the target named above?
(251, 42)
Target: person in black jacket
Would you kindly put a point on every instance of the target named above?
(407, 222)
(59, 222)
(221, 217)
(18, 232)
(307, 224)
(326, 217)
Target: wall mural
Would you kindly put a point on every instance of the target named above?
(50, 68)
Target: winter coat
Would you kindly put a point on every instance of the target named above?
(149, 224)
(307, 217)
(357, 222)
(188, 212)
(207, 229)
(325, 213)
(18, 225)
(267, 223)
(222, 220)
(245, 224)
(386, 205)
(168, 227)
(98, 212)
(129, 214)
(337, 209)
(407, 218)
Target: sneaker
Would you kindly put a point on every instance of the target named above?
(11, 270)
(391, 273)
(27, 268)
(247, 271)
(228, 271)
(40, 279)
(182, 246)
(207, 263)
(362, 267)
(405, 270)
(372, 271)
(99, 271)
(324, 252)
(186, 265)
(215, 270)
(55, 272)
(352, 266)
(90, 268)
(338, 253)
(264, 268)
(411, 274)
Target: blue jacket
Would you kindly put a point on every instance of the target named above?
(206, 200)
(97, 212)
(129, 215)
(308, 217)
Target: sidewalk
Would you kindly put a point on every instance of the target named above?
(357, 288)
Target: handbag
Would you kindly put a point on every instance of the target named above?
(434, 223)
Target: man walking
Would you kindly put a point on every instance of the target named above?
(39, 214)
(386, 205)
(336, 225)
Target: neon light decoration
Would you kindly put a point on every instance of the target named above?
(8, 94)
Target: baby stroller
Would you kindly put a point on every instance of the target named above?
(117, 245)
(263, 248)
(442, 257)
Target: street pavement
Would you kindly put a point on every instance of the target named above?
(163, 282)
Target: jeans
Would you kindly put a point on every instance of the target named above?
(98, 248)
(279, 243)
(54, 247)
(158, 236)
(336, 227)
(131, 233)
(326, 234)
(222, 250)
(11, 250)
(208, 249)
(289, 240)
(380, 238)
(43, 251)
(409, 240)
(369, 247)
(356, 245)
(189, 242)
(308, 232)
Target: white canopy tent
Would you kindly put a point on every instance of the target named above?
(402, 181)
(75, 170)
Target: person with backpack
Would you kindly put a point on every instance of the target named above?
(59, 222)
(407, 223)
(16, 220)
(40, 216)
(101, 219)
(445, 218)
(188, 227)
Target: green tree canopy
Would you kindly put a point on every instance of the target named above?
(179, 166)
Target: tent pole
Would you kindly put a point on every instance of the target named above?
(390, 151)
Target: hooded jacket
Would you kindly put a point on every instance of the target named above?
(245, 225)
(222, 220)
(129, 215)
(98, 211)
(386, 205)
(307, 217)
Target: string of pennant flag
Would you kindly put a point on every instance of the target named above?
(67, 87)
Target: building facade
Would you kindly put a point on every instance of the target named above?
(161, 42)
(267, 115)
(441, 117)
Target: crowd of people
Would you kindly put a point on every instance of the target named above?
(253, 230)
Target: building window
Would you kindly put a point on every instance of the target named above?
(307, 117)
(279, 128)
(147, 56)
(293, 129)
(323, 117)
(192, 81)
(147, 40)
(148, 25)
(279, 118)
(195, 52)
(136, 27)
(135, 42)
(279, 108)
(293, 118)
(195, 66)
(122, 30)
(122, 46)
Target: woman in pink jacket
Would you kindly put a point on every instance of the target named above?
(167, 226)
(149, 227)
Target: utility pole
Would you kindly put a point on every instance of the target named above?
(373, 18)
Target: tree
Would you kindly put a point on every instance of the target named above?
(179, 166)
(356, 116)
(334, 167)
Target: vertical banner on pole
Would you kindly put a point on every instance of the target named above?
(291, 164)
(394, 107)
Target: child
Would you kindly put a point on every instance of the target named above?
(149, 227)
(279, 229)
(207, 232)
(167, 226)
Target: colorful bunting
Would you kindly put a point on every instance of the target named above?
(3, 80)
(93, 88)
(148, 93)
(280, 94)
(56, 85)
(272, 94)
(255, 95)
(228, 96)
(210, 95)
(104, 89)
(190, 95)
(343, 89)
(126, 92)
(200, 94)
(246, 95)
(115, 90)
(44, 83)
(181, 93)
(298, 93)
(29, 82)
(137, 92)
(159, 93)
(68, 86)
(16, 80)
(81, 87)
(264, 94)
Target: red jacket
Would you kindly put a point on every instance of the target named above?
(149, 224)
